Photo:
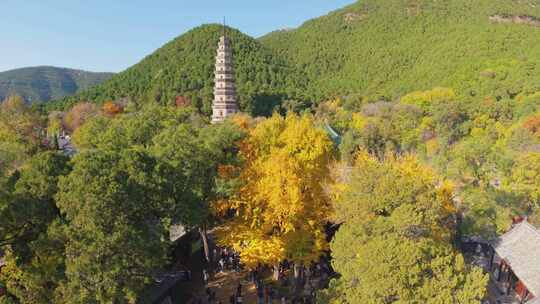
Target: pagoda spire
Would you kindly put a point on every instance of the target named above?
(224, 27)
(225, 99)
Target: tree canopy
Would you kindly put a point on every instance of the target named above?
(281, 206)
(394, 244)
(96, 228)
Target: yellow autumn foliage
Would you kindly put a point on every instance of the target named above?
(397, 183)
(425, 99)
(359, 121)
(281, 206)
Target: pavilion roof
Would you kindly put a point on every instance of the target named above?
(520, 248)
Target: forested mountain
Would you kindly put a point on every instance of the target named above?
(44, 83)
(185, 66)
(392, 47)
(371, 49)
(437, 106)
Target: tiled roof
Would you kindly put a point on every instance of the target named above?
(176, 232)
(520, 248)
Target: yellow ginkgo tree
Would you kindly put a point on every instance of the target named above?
(281, 205)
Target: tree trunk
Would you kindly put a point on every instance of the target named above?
(298, 275)
(204, 239)
(275, 276)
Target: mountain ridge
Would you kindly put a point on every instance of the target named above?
(44, 83)
(373, 50)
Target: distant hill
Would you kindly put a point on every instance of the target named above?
(391, 47)
(185, 67)
(41, 84)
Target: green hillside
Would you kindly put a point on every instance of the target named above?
(41, 84)
(390, 47)
(371, 49)
(185, 67)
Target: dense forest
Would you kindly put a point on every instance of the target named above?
(385, 49)
(95, 228)
(437, 109)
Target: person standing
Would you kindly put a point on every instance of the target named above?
(222, 264)
(260, 295)
(215, 255)
(208, 295)
(206, 277)
(272, 294)
(239, 289)
(266, 295)
(230, 262)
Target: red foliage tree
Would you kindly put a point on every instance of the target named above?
(182, 101)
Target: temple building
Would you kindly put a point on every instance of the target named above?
(515, 263)
(225, 99)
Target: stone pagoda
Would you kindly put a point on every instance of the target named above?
(225, 101)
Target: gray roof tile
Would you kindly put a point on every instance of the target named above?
(520, 248)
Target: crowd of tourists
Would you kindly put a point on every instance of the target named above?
(298, 289)
(226, 259)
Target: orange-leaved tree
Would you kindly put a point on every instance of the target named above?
(281, 206)
(532, 124)
(111, 109)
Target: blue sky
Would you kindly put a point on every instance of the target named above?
(111, 35)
